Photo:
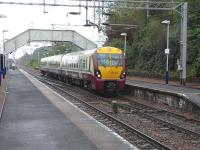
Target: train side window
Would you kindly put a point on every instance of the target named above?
(86, 64)
(83, 64)
(79, 63)
(66, 64)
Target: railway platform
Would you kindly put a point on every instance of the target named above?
(191, 91)
(36, 117)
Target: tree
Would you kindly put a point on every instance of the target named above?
(146, 44)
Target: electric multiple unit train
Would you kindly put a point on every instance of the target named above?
(101, 69)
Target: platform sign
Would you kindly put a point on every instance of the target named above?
(166, 51)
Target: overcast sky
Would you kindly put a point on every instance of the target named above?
(20, 18)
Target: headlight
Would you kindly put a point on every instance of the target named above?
(98, 74)
(123, 75)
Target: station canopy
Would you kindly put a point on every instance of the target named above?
(39, 35)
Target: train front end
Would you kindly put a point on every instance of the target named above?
(110, 70)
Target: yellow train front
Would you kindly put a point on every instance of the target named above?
(109, 70)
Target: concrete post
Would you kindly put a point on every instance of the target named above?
(184, 42)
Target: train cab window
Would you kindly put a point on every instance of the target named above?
(103, 59)
(116, 60)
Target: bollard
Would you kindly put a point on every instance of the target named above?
(115, 107)
(0, 78)
(4, 72)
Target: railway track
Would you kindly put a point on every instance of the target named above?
(171, 120)
(127, 111)
(136, 137)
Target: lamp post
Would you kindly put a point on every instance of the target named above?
(38, 58)
(58, 52)
(4, 57)
(167, 22)
(124, 34)
(4, 69)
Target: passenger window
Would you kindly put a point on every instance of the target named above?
(83, 63)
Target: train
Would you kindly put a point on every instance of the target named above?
(100, 69)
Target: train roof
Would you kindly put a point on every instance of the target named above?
(109, 50)
(87, 52)
(97, 50)
(52, 57)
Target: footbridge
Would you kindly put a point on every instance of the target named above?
(37, 35)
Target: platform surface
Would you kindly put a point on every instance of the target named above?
(36, 118)
(193, 94)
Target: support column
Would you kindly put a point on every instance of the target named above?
(4, 58)
(4, 62)
(147, 8)
(183, 45)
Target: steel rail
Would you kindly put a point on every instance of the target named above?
(179, 128)
(126, 126)
(170, 125)
(143, 136)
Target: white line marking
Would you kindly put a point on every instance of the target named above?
(102, 125)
